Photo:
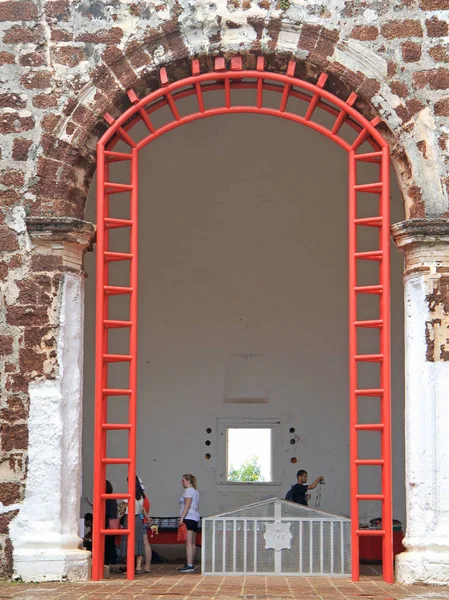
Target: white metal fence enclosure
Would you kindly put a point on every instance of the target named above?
(276, 537)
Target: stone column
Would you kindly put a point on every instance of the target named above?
(425, 243)
(45, 532)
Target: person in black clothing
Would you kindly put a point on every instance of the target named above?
(87, 539)
(110, 552)
(300, 489)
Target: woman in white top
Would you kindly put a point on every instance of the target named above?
(189, 515)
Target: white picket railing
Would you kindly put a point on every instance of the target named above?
(245, 545)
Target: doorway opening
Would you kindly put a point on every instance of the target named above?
(300, 102)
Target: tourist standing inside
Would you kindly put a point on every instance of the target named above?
(190, 516)
(139, 510)
(110, 549)
(300, 489)
(146, 525)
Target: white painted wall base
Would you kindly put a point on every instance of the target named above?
(427, 404)
(415, 566)
(52, 565)
(45, 532)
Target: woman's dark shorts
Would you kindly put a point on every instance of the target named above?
(191, 525)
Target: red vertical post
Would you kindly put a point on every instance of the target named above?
(97, 556)
(387, 516)
(104, 399)
(132, 417)
(353, 409)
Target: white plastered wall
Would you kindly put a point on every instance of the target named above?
(243, 251)
(427, 431)
(45, 532)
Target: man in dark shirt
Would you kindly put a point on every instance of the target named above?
(300, 489)
(87, 539)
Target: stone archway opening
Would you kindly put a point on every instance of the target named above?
(364, 134)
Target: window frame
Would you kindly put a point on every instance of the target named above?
(276, 451)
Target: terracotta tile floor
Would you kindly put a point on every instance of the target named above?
(165, 583)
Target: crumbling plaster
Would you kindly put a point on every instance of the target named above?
(45, 532)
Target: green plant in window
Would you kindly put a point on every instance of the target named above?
(248, 471)
(284, 4)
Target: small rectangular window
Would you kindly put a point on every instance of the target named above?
(249, 455)
(249, 452)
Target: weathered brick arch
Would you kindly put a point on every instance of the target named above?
(350, 69)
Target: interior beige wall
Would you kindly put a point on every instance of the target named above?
(243, 251)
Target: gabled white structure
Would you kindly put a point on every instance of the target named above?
(276, 537)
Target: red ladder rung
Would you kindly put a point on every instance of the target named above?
(116, 461)
(370, 221)
(115, 392)
(260, 66)
(219, 63)
(117, 156)
(370, 532)
(364, 134)
(111, 223)
(370, 462)
(370, 497)
(369, 427)
(316, 98)
(115, 290)
(227, 85)
(116, 256)
(117, 188)
(196, 70)
(120, 131)
(370, 392)
(110, 358)
(115, 496)
(142, 112)
(236, 63)
(116, 426)
(375, 157)
(285, 97)
(375, 323)
(111, 324)
(368, 289)
(196, 67)
(146, 119)
(287, 87)
(343, 114)
(114, 531)
(371, 255)
(360, 139)
(369, 187)
(369, 357)
(199, 96)
(172, 105)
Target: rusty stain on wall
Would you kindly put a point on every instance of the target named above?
(437, 327)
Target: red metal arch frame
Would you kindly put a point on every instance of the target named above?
(288, 87)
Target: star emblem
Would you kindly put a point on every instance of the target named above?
(277, 536)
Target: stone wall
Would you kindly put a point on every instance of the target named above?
(64, 63)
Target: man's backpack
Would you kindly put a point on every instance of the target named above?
(289, 494)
